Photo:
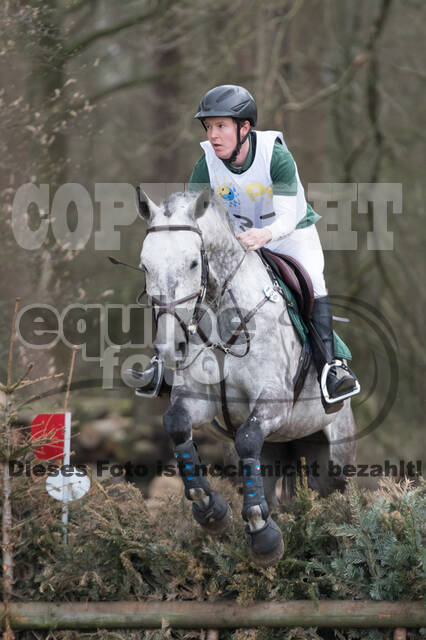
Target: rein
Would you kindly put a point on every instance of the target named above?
(194, 326)
(270, 293)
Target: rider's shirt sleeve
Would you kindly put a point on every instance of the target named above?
(285, 216)
(283, 172)
(284, 186)
(200, 177)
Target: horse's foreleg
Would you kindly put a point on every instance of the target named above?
(209, 509)
(263, 534)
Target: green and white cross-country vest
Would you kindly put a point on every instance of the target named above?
(248, 196)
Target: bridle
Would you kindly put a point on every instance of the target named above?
(200, 294)
(198, 313)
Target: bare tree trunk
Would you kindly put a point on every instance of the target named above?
(6, 445)
(45, 91)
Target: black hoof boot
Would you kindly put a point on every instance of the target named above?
(266, 544)
(216, 517)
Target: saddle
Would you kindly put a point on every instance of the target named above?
(295, 276)
(299, 295)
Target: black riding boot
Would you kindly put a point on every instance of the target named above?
(150, 382)
(339, 381)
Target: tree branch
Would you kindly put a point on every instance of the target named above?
(132, 82)
(11, 388)
(12, 341)
(85, 41)
(77, 5)
(333, 88)
(42, 379)
(416, 72)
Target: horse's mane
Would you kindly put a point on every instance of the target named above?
(190, 197)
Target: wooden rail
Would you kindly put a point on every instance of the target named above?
(214, 615)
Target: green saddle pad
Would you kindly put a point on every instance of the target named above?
(340, 348)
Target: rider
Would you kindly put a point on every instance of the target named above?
(256, 179)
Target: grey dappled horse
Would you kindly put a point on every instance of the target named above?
(234, 352)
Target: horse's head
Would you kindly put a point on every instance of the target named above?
(175, 265)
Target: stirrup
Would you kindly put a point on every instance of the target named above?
(153, 392)
(152, 389)
(329, 365)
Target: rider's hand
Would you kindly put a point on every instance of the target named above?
(255, 238)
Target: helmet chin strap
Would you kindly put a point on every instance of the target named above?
(240, 143)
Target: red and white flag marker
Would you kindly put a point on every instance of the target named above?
(55, 431)
(51, 427)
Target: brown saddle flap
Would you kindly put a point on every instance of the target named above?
(295, 276)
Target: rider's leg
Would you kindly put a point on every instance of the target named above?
(322, 320)
(305, 246)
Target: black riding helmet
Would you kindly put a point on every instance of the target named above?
(229, 100)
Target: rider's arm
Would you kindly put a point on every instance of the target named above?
(286, 219)
(284, 199)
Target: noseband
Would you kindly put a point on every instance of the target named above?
(170, 307)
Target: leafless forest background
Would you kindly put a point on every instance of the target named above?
(100, 91)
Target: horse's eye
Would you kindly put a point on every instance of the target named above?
(194, 263)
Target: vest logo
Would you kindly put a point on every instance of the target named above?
(228, 193)
(256, 190)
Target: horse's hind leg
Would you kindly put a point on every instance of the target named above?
(209, 509)
(317, 453)
(273, 460)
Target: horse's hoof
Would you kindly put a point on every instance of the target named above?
(216, 527)
(266, 544)
(216, 518)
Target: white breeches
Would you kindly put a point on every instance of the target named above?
(305, 246)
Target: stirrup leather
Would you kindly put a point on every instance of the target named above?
(329, 365)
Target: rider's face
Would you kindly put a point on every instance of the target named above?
(222, 134)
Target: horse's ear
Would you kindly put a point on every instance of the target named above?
(202, 202)
(144, 204)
